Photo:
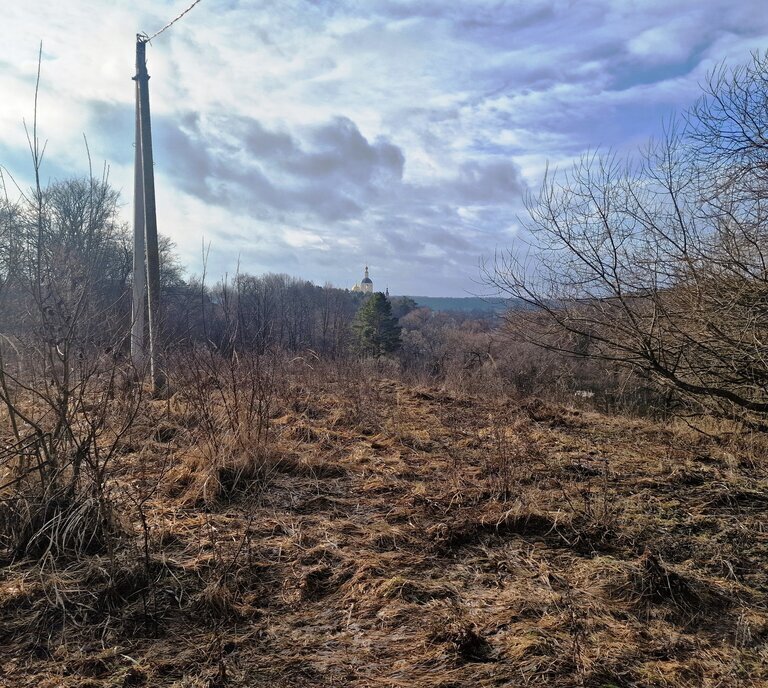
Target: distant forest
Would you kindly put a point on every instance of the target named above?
(465, 304)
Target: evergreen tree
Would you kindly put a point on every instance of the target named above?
(376, 329)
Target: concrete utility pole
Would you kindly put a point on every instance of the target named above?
(145, 218)
(139, 256)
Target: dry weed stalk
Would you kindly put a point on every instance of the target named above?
(595, 511)
(512, 455)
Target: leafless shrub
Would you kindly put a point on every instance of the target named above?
(595, 514)
(66, 419)
(59, 371)
(231, 398)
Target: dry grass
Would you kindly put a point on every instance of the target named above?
(388, 536)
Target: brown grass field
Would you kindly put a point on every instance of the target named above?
(391, 536)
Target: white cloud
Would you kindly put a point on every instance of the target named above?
(309, 136)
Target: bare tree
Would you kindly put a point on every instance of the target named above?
(658, 263)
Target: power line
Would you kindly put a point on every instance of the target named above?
(171, 23)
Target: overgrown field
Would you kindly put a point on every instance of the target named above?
(360, 532)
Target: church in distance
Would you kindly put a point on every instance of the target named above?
(365, 285)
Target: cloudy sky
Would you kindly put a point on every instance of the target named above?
(313, 136)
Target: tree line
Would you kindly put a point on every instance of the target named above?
(65, 273)
(648, 269)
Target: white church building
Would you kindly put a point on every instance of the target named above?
(365, 285)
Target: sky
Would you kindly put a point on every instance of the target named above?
(312, 137)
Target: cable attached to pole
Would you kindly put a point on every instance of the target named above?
(171, 23)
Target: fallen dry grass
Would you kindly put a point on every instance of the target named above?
(391, 536)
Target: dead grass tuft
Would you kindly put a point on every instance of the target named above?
(218, 602)
(447, 537)
(463, 641)
(553, 415)
(418, 592)
(35, 523)
(651, 582)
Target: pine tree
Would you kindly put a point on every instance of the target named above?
(376, 329)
